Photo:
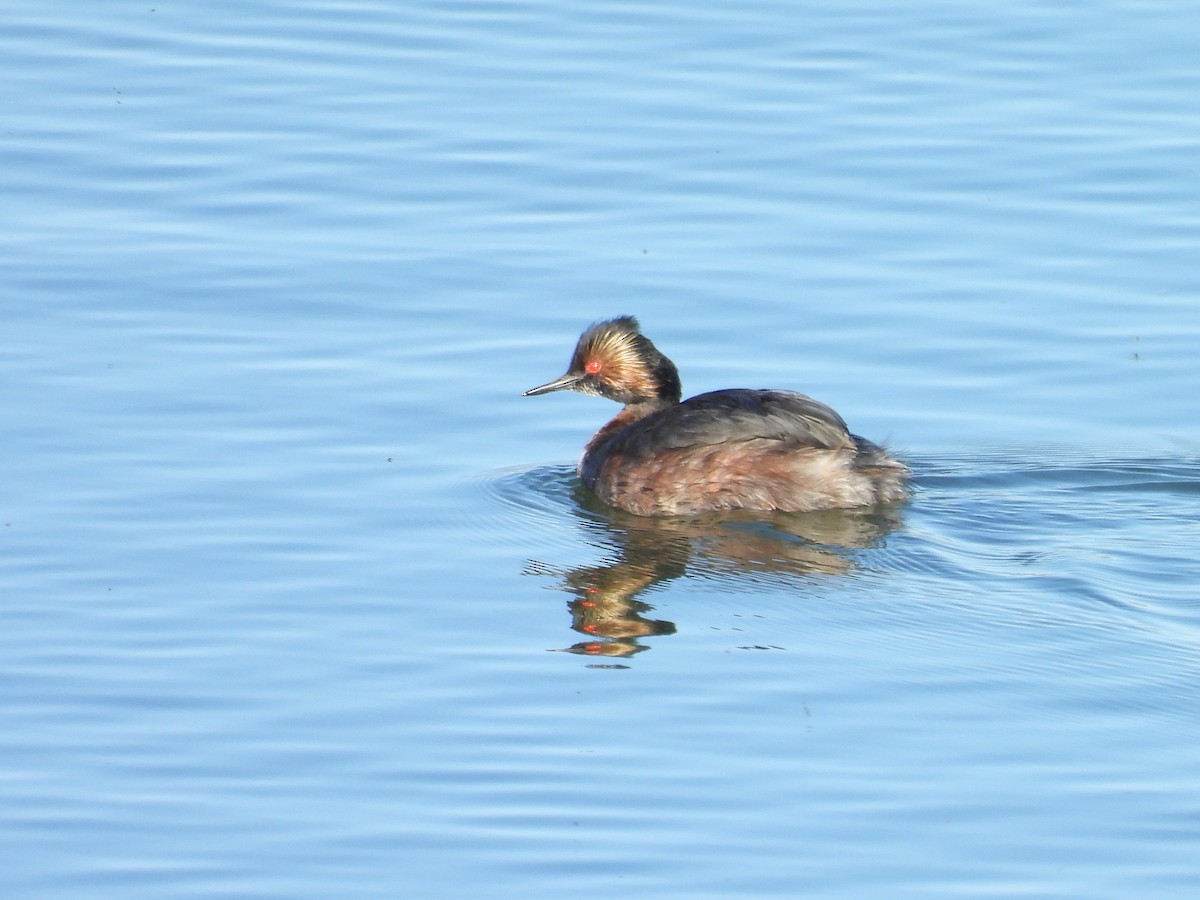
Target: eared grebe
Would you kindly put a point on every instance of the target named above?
(731, 449)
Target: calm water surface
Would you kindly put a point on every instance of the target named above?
(301, 599)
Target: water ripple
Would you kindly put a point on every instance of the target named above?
(1068, 531)
(1032, 537)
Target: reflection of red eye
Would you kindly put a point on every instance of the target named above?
(593, 366)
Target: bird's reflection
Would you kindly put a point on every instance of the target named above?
(645, 552)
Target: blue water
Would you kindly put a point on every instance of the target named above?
(302, 599)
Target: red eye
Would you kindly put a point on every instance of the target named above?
(593, 366)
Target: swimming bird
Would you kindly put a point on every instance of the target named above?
(722, 450)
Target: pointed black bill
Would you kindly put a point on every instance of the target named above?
(564, 383)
